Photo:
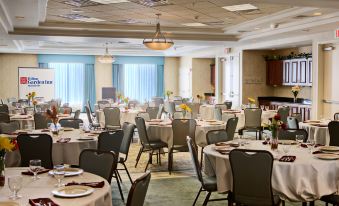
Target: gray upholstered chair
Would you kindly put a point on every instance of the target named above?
(169, 107)
(177, 98)
(336, 116)
(35, 146)
(4, 108)
(77, 114)
(177, 102)
(256, 188)
(144, 115)
(29, 110)
(88, 104)
(151, 147)
(195, 109)
(290, 134)
(73, 123)
(157, 101)
(41, 120)
(292, 123)
(221, 106)
(153, 112)
(284, 112)
(215, 136)
(161, 110)
(65, 110)
(4, 117)
(103, 104)
(42, 107)
(231, 127)
(218, 113)
(228, 104)
(252, 121)
(333, 128)
(181, 128)
(180, 115)
(112, 118)
(23, 102)
(128, 129)
(92, 124)
(208, 184)
(137, 193)
(6, 128)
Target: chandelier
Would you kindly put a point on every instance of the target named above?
(106, 58)
(159, 41)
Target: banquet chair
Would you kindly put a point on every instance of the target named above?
(41, 120)
(100, 163)
(157, 101)
(23, 102)
(195, 109)
(72, 123)
(29, 110)
(133, 103)
(252, 121)
(221, 106)
(231, 127)
(336, 116)
(6, 128)
(292, 123)
(180, 115)
(217, 113)
(254, 189)
(228, 104)
(298, 116)
(330, 199)
(177, 102)
(88, 104)
(161, 110)
(65, 110)
(4, 108)
(169, 107)
(146, 144)
(103, 103)
(128, 129)
(284, 111)
(4, 117)
(208, 184)
(137, 193)
(290, 134)
(215, 136)
(153, 112)
(35, 146)
(76, 114)
(112, 118)
(42, 107)
(92, 124)
(181, 128)
(111, 142)
(144, 115)
(333, 129)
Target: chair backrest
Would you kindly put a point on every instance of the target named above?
(157, 101)
(169, 107)
(4, 117)
(336, 116)
(89, 117)
(29, 110)
(160, 111)
(133, 103)
(65, 110)
(231, 126)
(140, 123)
(181, 129)
(194, 156)
(100, 163)
(298, 116)
(42, 107)
(23, 102)
(110, 141)
(35, 146)
(195, 109)
(333, 128)
(128, 129)
(284, 111)
(6, 128)
(41, 120)
(253, 117)
(152, 111)
(256, 188)
(290, 134)
(217, 113)
(4, 108)
(221, 106)
(77, 114)
(137, 193)
(112, 116)
(73, 123)
(228, 104)
(89, 106)
(144, 115)
(292, 123)
(215, 136)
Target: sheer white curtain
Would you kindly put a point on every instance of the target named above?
(140, 81)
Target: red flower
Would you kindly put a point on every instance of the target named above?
(277, 117)
(16, 146)
(283, 126)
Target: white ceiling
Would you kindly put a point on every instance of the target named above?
(37, 26)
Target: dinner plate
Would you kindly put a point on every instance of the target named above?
(329, 148)
(211, 120)
(325, 156)
(287, 142)
(215, 123)
(70, 172)
(221, 144)
(96, 132)
(9, 203)
(73, 191)
(312, 121)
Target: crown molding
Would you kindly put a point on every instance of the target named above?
(5, 20)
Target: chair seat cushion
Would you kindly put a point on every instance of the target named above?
(210, 184)
(156, 144)
(333, 199)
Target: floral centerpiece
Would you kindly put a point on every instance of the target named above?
(34, 102)
(168, 94)
(274, 127)
(53, 116)
(295, 91)
(126, 100)
(199, 98)
(251, 102)
(30, 97)
(119, 97)
(6, 145)
(185, 109)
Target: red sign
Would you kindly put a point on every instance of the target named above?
(23, 80)
(337, 33)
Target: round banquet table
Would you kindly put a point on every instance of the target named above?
(62, 153)
(125, 116)
(28, 119)
(305, 179)
(318, 132)
(43, 187)
(163, 131)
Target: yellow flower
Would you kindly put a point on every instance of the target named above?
(185, 107)
(6, 144)
(251, 100)
(33, 94)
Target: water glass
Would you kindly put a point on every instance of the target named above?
(15, 184)
(35, 167)
(299, 139)
(267, 108)
(311, 144)
(262, 107)
(286, 148)
(59, 174)
(199, 117)
(81, 128)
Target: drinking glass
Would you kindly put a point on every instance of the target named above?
(311, 144)
(267, 108)
(59, 174)
(15, 184)
(286, 148)
(262, 107)
(299, 139)
(199, 117)
(35, 166)
(81, 128)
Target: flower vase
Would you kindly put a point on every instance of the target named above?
(274, 139)
(2, 171)
(184, 114)
(54, 128)
(295, 99)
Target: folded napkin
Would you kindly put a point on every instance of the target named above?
(319, 145)
(89, 184)
(42, 201)
(303, 145)
(31, 173)
(287, 158)
(264, 142)
(317, 152)
(63, 140)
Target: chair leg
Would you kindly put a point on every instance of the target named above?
(149, 160)
(196, 198)
(312, 203)
(159, 157)
(207, 198)
(304, 204)
(138, 157)
(129, 176)
(120, 190)
(201, 157)
(170, 161)
(119, 176)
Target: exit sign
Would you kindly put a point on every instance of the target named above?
(337, 33)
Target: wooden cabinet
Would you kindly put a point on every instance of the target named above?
(297, 72)
(274, 75)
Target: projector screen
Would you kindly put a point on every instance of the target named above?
(36, 80)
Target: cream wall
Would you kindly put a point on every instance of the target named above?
(201, 76)
(171, 74)
(185, 77)
(103, 77)
(9, 64)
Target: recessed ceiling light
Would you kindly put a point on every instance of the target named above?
(194, 24)
(240, 7)
(317, 14)
(110, 1)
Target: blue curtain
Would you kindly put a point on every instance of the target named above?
(43, 65)
(160, 80)
(90, 93)
(118, 77)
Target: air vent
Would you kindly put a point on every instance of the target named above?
(81, 3)
(152, 3)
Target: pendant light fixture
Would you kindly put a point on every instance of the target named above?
(159, 41)
(106, 58)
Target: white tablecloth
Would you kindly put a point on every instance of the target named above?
(318, 133)
(306, 179)
(25, 120)
(43, 187)
(125, 116)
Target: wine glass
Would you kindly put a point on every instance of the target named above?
(15, 184)
(286, 148)
(262, 107)
(299, 139)
(199, 117)
(311, 144)
(59, 174)
(35, 166)
(81, 129)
